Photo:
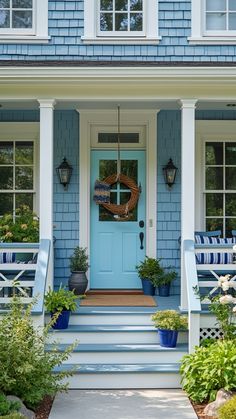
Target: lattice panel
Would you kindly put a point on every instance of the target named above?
(210, 332)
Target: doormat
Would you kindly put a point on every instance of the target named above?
(119, 300)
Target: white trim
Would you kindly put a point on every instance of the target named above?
(90, 26)
(213, 40)
(211, 130)
(141, 117)
(38, 33)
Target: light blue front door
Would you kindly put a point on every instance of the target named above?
(116, 245)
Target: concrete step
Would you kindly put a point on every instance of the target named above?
(123, 353)
(116, 376)
(99, 334)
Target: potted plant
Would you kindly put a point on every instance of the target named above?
(78, 265)
(148, 270)
(168, 323)
(164, 280)
(60, 304)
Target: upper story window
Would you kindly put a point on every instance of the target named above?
(213, 22)
(120, 21)
(23, 20)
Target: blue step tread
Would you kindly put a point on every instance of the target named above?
(121, 347)
(105, 328)
(114, 311)
(119, 368)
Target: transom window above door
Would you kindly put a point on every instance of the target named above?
(121, 21)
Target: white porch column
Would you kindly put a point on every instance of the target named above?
(46, 177)
(187, 182)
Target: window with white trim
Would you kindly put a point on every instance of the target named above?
(17, 175)
(220, 186)
(23, 18)
(213, 21)
(117, 21)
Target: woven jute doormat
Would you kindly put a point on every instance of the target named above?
(119, 300)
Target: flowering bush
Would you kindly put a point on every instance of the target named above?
(23, 229)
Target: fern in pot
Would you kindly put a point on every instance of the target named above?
(79, 265)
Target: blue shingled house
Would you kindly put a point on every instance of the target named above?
(170, 65)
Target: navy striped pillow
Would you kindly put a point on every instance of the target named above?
(214, 258)
(7, 257)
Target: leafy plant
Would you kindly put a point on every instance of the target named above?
(165, 278)
(8, 406)
(14, 416)
(57, 301)
(169, 320)
(79, 260)
(209, 369)
(26, 368)
(149, 269)
(24, 228)
(228, 410)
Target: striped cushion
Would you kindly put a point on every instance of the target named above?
(217, 258)
(7, 257)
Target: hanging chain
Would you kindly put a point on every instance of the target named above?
(118, 145)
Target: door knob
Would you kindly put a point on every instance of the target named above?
(141, 237)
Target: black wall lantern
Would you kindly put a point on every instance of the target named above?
(64, 172)
(169, 173)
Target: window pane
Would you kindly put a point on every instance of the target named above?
(106, 5)
(24, 199)
(217, 5)
(214, 204)
(121, 5)
(230, 181)
(104, 214)
(136, 21)
(6, 203)
(230, 225)
(130, 169)
(112, 137)
(107, 168)
(136, 5)
(216, 21)
(232, 21)
(214, 153)
(22, 4)
(24, 153)
(214, 178)
(4, 3)
(232, 5)
(121, 22)
(24, 178)
(124, 198)
(213, 224)
(21, 19)
(230, 153)
(106, 22)
(6, 151)
(230, 204)
(6, 177)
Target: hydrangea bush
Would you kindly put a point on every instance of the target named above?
(23, 228)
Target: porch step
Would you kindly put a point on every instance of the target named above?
(111, 334)
(115, 376)
(120, 353)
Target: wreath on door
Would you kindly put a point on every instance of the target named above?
(102, 188)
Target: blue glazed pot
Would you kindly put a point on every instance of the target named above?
(168, 338)
(148, 288)
(62, 320)
(164, 290)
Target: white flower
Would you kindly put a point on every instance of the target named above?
(234, 309)
(234, 247)
(225, 286)
(224, 278)
(227, 299)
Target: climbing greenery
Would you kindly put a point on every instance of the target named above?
(209, 369)
(26, 369)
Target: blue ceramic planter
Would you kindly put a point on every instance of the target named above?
(62, 320)
(148, 288)
(168, 338)
(164, 290)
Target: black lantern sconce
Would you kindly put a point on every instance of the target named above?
(64, 172)
(169, 173)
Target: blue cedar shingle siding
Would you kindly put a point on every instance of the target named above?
(66, 204)
(66, 27)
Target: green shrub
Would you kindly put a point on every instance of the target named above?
(8, 406)
(23, 229)
(228, 410)
(79, 260)
(149, 269)
(169, 320)
(209, 369)
(60, 300)
(26, 369)
(13, 416)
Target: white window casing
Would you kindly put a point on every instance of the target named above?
(199, 34)
(92, 34)
(37, 34)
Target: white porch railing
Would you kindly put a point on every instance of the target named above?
(26, 279)
(196, 277)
